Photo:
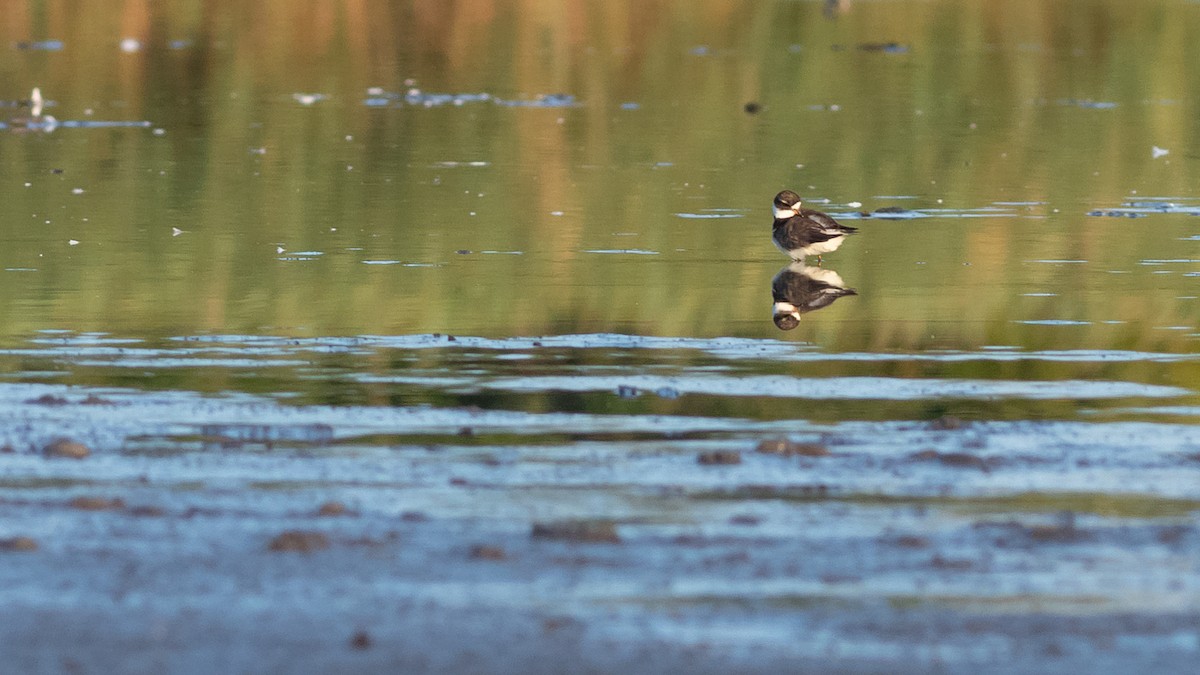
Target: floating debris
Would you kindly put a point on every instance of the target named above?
(884, 47)
(415, 97)
(308, 99)
(543, 101)
(1156, 152)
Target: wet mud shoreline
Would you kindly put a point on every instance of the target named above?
(257, 533)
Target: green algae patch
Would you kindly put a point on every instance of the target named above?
(1115, 505)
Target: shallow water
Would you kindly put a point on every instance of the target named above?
(473, 274)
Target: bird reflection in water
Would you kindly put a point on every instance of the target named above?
(798, 289)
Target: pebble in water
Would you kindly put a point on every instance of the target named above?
(65, 447)
(488, 552)
(25, 544)
(299, 541)
(333, 508)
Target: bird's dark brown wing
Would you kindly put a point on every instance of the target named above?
(807, 228)
(826, 224)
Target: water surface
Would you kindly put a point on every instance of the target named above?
(474, 272)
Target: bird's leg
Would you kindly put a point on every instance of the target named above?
(818, 261)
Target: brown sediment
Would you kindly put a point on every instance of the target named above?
(719, 457)
(488, 552)
(582, 531)
(301, 541)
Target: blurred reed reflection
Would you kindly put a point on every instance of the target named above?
(268, 142)
(799, 289)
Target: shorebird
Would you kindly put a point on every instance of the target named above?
(802, 232)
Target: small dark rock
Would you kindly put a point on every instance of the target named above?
(146, 511)
(911, 541)
(581, 531)
(93, 399)
(463, 251)
(414, 517)
(788, 448)
(360, 640)
(48, 399)
(1172, 534)
(301, 541)
(18, 544)
(719, 457)
(753, 108)
(7, 449)
(65, 447)
(557, 623)
(96, 503)
(332, 508)
(744, 519)
(938, 562)
(626, 391)
(458, 480)
(488, 552)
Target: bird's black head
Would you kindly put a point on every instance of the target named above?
(787, 200)
(787, 205)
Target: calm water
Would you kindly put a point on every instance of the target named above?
(393, 169)
(500, 262)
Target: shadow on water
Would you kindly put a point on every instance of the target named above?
(798, 289)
